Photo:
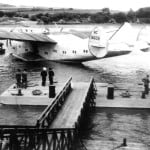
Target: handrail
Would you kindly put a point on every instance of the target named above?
(91, 90)
(16, 126)
(23, 130)
(36, 131)
(88, 89)
(87, 97)
(51, 106)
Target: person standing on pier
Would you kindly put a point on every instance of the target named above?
(24, 79)
(18, 78)
(51, 75)
(44, 75)
(146, 84)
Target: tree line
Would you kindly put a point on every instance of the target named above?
(105, 16)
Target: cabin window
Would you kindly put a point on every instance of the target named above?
(85, 51)
(64, 52)
(26, 50)
(74, 51)
(46, 53)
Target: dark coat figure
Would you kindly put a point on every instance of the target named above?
(44, 75)
(24, 79)
(146, 84)
(51, 75)
(18, 78)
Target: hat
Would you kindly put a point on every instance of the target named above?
(44, 68)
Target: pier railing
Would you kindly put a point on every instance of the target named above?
(36, 139)
(51, 110)
(89, 97)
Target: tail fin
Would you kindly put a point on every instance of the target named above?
(108, 44)
(125, 34)
(130, 39)
(97, 38)
(97, 42)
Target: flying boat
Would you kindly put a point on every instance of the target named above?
(69, 46)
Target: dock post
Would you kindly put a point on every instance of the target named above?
(124, 142)
(52, 91)
(143, 95)
(19, 92)
(110, 92)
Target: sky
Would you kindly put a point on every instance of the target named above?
(123, 5)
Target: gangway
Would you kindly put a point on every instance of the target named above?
(49, 133)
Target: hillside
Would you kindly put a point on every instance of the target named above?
(49, 15)
(6, 5)
(32, 10)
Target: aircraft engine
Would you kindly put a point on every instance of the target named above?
(98, 43)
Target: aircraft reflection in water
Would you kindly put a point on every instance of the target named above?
(71, 46)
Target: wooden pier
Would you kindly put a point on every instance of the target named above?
(58, 126)
(135, 99)
(11, 97)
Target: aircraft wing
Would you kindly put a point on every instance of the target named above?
(31, 37)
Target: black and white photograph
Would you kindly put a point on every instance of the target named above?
(74, 75)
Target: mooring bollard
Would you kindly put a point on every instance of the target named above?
(124, 142)
(143, 95)
(110, 92)
(52, 91)
(19, 92)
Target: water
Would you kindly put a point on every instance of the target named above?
(105, 124)
(115, 124)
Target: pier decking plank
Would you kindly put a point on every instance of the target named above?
(68, 115)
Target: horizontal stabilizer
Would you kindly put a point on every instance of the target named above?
(144, 34)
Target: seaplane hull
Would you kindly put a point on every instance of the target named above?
(66, 47)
